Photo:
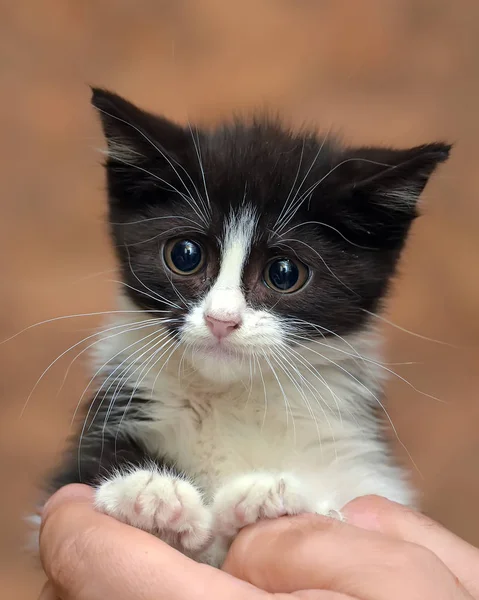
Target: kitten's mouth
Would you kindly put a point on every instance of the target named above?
(219, 350)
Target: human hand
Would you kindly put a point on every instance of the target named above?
(384, 551)
(89, 556)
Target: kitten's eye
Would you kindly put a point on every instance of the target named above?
(184, 257)
(285, 275)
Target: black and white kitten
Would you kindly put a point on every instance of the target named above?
(240, 378)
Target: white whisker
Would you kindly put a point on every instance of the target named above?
(280, 223)
(163, 154)
(372, 395)
(196, 144)
(163, 234)
(311, 189)
(90, 314)
(146, 365)
(303, 395)
(264, 390)
(370, 361)
(155, 294)
(285, 398)
(148, 345)
(149, 219)
(141, 292)
(282, 243)
(187, 198)
(104, 365)
(63, 354)
(303, 224)
(293, 185)
(169, 276)
(403, 329)
(137, 325)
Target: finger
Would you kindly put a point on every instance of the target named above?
(76, 491)
(48, 593)
(90, 556)
(378, 514)
(312, 552)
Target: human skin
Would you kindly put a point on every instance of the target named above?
(382, 551)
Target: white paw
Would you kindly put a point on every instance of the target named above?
(159, 503)
(255, 496)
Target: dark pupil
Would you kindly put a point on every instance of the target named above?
(186, 256)
(283, 274)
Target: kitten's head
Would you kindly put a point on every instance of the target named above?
(252, 238)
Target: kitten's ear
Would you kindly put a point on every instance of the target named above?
(134, 135)
(382, 188)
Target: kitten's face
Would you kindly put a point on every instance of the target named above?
(251, 239)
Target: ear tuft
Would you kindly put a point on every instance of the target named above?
(142, 150)
(118, 118)
(394, 179)
(134, 135)
(382, 187)
(400, 188)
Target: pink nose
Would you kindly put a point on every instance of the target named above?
(220, 328)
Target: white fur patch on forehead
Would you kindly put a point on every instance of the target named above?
(235, 247)
(225, 300)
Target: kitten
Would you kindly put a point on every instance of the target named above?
(240, 378)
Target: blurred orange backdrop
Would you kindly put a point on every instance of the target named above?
(397, 72)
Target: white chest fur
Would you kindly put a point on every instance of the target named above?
(320, 430)
(316, 423)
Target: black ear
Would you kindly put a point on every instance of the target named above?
(132, 133)
(381, 188)
(144, 151)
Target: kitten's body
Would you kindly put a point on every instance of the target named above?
(242, 401)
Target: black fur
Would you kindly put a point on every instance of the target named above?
(102, 450)
(357, 205)
(363, 207)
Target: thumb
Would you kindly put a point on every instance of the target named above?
(378, 514)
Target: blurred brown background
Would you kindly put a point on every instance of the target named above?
(382, 71)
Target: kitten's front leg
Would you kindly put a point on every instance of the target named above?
(248, 498)
(258, 495)
(134, 488)
(159, 502)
